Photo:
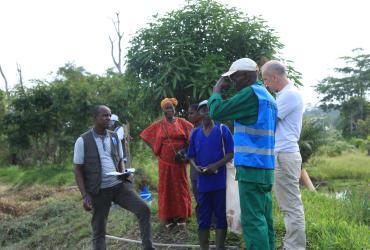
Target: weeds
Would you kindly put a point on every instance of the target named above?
(59, 222)
(349, 165)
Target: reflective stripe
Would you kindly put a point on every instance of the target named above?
(260, 151)
(253, 131)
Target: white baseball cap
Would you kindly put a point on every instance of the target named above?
(240, 65)
(202, 103)
(114, 118)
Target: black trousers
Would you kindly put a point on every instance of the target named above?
(127, 198)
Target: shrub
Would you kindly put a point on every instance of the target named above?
(357, 142)
(335, 148)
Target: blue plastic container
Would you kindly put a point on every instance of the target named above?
(146, 195)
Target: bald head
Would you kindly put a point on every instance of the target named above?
(274, 75)
(274, 67)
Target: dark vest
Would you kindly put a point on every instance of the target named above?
(92, 166)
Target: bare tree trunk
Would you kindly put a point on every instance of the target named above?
(126, 128)
(117, 62)
(6, 82)
(19, 69)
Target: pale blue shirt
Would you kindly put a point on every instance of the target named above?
(290, 112)
(104, 148)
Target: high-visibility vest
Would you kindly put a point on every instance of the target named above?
(254, 144)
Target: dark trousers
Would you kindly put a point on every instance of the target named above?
(195, 193)
(211, 204)
(125, 196)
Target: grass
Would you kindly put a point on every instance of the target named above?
(353, 165)
(47, 175)
(146, 166)
(61, 223)
(333, 224)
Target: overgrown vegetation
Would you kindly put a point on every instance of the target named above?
(56, 214)
(347, 165)
(180, 54)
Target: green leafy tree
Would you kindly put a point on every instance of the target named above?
(43, 121)
(349, 91)
(184, 52)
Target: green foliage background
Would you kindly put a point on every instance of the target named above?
(180, 54)
(183, 53)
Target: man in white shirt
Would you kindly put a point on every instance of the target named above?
(97, 153)
(117, 127)
(288, 158)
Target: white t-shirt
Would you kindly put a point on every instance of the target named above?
(290, 112)
(105, 155)
(120, 133)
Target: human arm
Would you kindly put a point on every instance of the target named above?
(78, 161)
(213, 168)
(243, 106)
(78, 171)
(123, 138)
(121, 164)
(228, 149)
(192, 152)
(152, 136)
(221, 84)
(195, 166)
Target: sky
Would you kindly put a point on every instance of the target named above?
(43, 35)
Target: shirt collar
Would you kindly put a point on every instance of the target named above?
(96, 135)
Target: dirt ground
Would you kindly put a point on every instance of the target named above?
(18, 201)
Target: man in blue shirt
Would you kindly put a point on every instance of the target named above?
(211, 147)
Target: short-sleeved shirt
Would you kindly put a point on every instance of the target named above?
(193, 173)
(290, 112)
(210, 149)
(104, 148)
(120, 132)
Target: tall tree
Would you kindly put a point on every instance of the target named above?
(184, 52)
(349, 90)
